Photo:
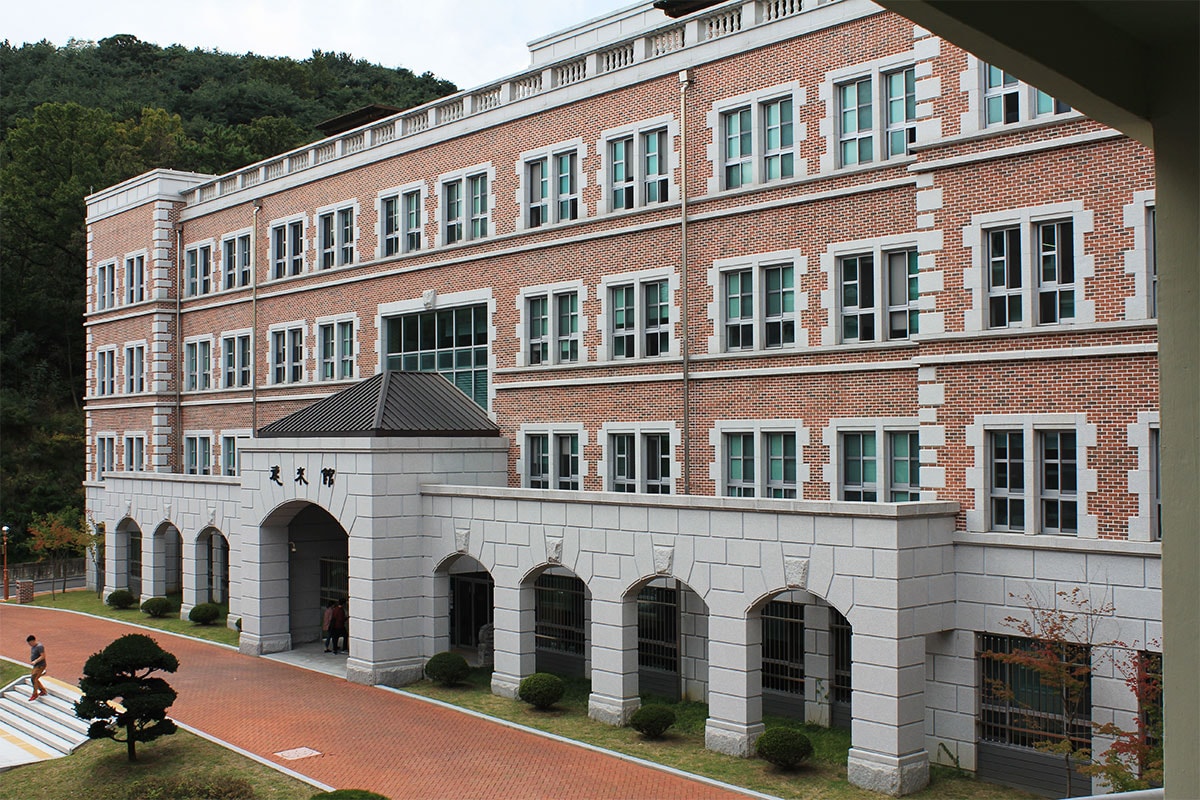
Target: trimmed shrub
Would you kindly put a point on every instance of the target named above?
(447, 669)
(784, 747)
(121, 599)
(541, 690)
(192, 787)
(205, 613)
(652, 720)
(348, 794)
(158, 606)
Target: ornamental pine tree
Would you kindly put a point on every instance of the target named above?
(122, 695)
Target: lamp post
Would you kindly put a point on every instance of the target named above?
(5, 529)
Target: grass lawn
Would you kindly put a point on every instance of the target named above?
(86, 601)
(101, 769)
(9, 672)
(823, 778)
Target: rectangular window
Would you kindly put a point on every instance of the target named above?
(1044, 104)
(135, 279)
(741, 479)
(539, 333)
(1017, 707)
(783, 648)
(553, 318)
(566, 316)
(623, 179)
(856, 132)
(566, 447)
(229, 455)
(287, 355)
(236, 350)
(198, 271)
(657, 447)
(781, 465)
(537, 448)
(451, 341)
(778, 159)
(624, 462)
(336, 343)
(1004, 277)
(389, 222)
(106, 286)
(904, 454)
(135, 453)
(859, 467)
(779, 316)
(197, 455)
(654, 167)
(1056, 272)
(739, 148)
(135, 369)
(1152, 259)
(765, 466)
(335, 233)
(452, 196)
(287, 249)
(106, 372)
(198, 365)
(901, 110)
(638, 169)
(1156, 485)
(903, 292)
(553, 189)
(739, 310)
(658, 318)
(624, 321)
(106, 455)
(1059, 482)
(237, 262)
(1007, 480)
(857, 275)
(537, 175)
(477, 186)
(413, 217)
(1001, 97)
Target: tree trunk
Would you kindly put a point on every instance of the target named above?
(130, 742)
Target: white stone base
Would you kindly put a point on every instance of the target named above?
(888, 774)
(396, 673)
(731, 738)
(253, 645)
(505, 685)
(612, 710)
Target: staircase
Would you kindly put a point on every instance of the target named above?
(42, 729)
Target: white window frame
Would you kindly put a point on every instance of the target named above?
(881, 427)
(1145, 477)
(551, 291)
(978, 475)
(759, 263)
(638, 279)
(135, 367)
(288, 330)
(669, 163)
(399, 195)
(135, 277)
(973, 82)
(197, 453)
(759, 429)
(755, 101)
(236, 437)
(237, 275)
(106, 371)
(975, 276)
(134, 451)
(639, 430)
(106, 453)
(197, 378)
(463, 178)
(340, 355)
(1140, 261)
(330, 219)
(549, 155)
(106, 286)
(553, 432)
(284, 265)
(199, 269)
(239, 365)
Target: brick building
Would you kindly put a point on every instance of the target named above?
(809, 346)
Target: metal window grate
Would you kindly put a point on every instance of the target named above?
(1017, 707)
(783, 647)
(658, 628)
(839, 628)
(559, 603)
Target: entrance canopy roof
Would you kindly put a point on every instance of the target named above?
(391, 403)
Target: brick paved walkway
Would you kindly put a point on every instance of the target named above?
(369, 738)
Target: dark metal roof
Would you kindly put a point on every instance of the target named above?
(390, 404)
(681, 8)
(353, 119)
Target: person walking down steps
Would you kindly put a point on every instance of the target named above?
(37, 659)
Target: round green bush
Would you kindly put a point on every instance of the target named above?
(158, 606)
(652, 720)
(205, 613)
(447, 669)
(784, 747)
(541, 690)
(348, 794)
(121, 599)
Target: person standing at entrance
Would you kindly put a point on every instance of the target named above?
(325, 620)
(337, 627)
(37, 658)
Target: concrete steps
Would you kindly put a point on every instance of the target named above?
(42, 729)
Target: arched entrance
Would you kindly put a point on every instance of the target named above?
(166, 562)
(318, 570)
(212, 555)
(127, 557)
(672, 624)
(469, 592)
(561, 618)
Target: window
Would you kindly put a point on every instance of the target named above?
(856, 133)
(198, 267)
(1055, 274)
(761, 465)
(135, 279)
(1152, 260)
(229, 456)
(638, 164)
(452, 341)
(757, 138)
(783, 647)
(758, 306)
(466, 205)
(197, 455)
(860, 480)
(877, 460)
(389, 215)
(236, 351)
(863, 315)
(106, 372)
(739, 148)
(1057, 486)
(287, 355)
(1007, 485)
(452, 200)
(904, 469)
(1155, 486)
(135, 453)
(1059, 482)
(135, 369)
(336, 343)
(552, 460)
(197, 361)
(864, 137)
(287, 249)
(1016, 707)
(640, 461)
(414, 219)
(335, 235)
(401, 221)
(106, 286)
(1007, 100)
(649, 303)
(106, 455)
(901, 131)
(236, 261)
(551, 325)
(552, 187)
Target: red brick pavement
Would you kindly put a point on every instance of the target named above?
(369, 738)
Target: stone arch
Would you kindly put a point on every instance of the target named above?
(211, 556)
(562, 620)
(672, 637)
(464, 607)
(126, 557)
(163, 561)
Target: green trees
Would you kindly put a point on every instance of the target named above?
(123, 673)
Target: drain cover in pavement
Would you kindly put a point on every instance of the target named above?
(298, 752)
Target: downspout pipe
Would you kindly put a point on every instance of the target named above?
(179, 365)
(254, 321)
(685, 81)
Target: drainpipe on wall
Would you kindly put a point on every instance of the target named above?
(685, 81)
(178, 366)
(254, 321)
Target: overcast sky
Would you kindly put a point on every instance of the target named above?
(469, 42)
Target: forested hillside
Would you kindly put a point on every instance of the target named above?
(90, 114)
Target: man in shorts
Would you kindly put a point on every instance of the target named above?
(37, 657)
